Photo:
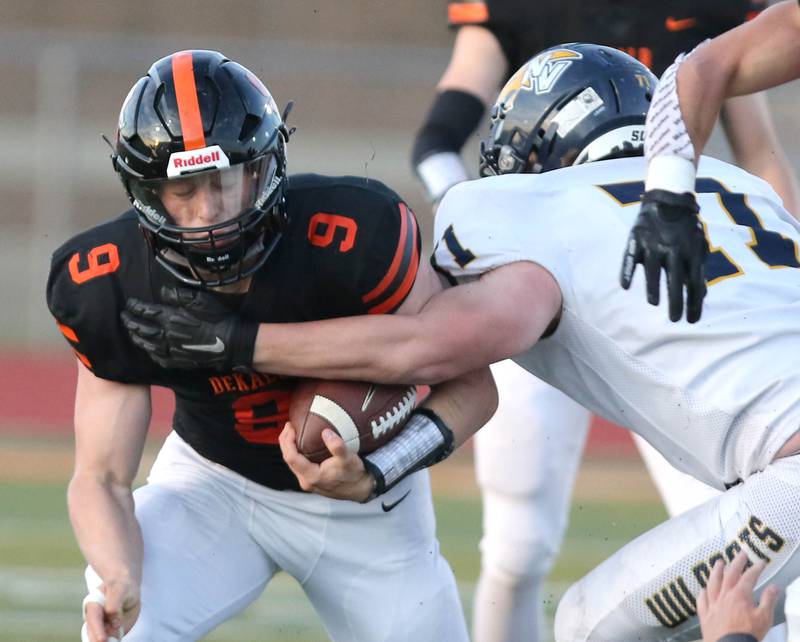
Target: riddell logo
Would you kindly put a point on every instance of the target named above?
(200, 159)
(195, 160)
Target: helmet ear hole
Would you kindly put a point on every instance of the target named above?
(249, 126)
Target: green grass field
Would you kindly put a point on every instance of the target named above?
(41, 582)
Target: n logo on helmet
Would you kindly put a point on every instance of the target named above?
(539, 75)
(543, 72)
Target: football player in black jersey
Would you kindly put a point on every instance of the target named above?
(493, 38)
(217, 227)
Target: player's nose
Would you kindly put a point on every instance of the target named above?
(204, 210)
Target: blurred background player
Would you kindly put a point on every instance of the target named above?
(526, 476)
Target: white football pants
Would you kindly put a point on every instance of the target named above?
(646, 591)
(526, 459)
(213, 540)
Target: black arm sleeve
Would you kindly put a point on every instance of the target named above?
(454, 115)
(737, 637)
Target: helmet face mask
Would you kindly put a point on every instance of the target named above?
(570, 104)
(201, 152)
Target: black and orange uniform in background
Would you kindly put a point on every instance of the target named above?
(352, 247)
(653, 32)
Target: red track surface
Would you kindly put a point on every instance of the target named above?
(37, 390)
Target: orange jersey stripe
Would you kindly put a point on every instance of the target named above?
(188, 106)
(405, 287)
(408, 280)
(67, 332)
(464, 13)
(84, 360)
(398, 257)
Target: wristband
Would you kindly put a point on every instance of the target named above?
(738, 637)
(244, 345)
(425, 440)
(454, 115)
(440, 172)
(672, 174)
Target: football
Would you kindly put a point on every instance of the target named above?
(365, 415)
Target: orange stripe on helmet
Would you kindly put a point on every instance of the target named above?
(67, 332)
(188, 106)
(465, 13)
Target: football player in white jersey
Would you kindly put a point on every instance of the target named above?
(526, 476)
(515, 560)
(533, 260)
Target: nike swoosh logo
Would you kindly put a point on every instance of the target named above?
(679, 24)
(368, 398)
(387, 507)
(218, 346)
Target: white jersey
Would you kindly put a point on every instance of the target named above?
(717, 398)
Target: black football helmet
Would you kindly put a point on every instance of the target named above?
(570, 104)
(198, 121)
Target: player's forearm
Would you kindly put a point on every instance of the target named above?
(454, 411)
(699, 105)
(381, 349)
(105, 526)
(776, 170)
(459, 330)
(465, 403)
(737, 63)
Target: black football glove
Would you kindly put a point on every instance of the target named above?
(668, 234)
(190, 330)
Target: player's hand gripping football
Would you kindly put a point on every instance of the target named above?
(726, 604)
(190, 330)
(668, 234)
(341, 476)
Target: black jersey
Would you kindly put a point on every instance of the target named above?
(352, 247)
(653, 32)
